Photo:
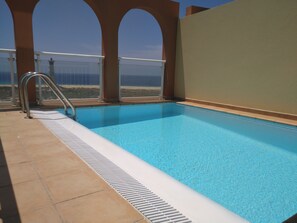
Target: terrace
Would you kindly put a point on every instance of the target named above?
(219, 59)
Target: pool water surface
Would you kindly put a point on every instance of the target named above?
(249, 166)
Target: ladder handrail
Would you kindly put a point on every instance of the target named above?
(52, 85)
(56, 92)
(48, 80)
(22, 86)
(23, 77)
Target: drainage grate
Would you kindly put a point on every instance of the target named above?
(145, 201)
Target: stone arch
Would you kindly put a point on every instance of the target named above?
(140, 36)
(148, 13)
(111, 12)
(166, 14)
(66, 32)
(155, 12)
(65, 25)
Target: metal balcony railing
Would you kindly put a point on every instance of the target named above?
(79, 76)
(8, 78)
(140, 77)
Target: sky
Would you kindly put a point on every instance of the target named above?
(77, 30)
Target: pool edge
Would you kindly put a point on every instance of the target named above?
(193, 205)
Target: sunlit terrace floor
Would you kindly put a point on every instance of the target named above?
(258, 114)
(43, 181)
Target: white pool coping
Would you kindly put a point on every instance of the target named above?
(193, 205)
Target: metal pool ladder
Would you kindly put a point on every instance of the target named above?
(51, 84)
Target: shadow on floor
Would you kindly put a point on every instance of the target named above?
(8, 206)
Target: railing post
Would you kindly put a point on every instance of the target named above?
(51, 71)
(120, 78)
(39, 79)
(162, 79)
(101, 78)
(11, 61)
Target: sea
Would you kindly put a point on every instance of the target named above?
(94, 79)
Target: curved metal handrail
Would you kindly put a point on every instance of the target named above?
(22, 86)
(50, 82)
(23, 77)
(55, 91)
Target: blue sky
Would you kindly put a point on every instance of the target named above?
(78, 30)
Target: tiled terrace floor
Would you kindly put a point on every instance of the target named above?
(41, 180)
(244, 113)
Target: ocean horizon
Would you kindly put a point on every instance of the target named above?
(94, 79)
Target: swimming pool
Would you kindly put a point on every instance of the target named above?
(248, 166)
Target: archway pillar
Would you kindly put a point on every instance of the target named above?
(109, 17)
(111, 62)
(169, 51)
(22, 12)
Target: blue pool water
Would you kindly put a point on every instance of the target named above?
(249, 166)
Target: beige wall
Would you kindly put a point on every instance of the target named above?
(243, 53)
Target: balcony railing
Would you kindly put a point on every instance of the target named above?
(141, 77)
(8, 77)
(80, 76)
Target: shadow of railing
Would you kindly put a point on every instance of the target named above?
(8, 206)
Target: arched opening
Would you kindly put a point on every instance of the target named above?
(8, 78)
(141, 68)
(67, 41)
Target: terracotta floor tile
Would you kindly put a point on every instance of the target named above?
(16, 156)
(11, 146)
(35, 131)
(38, 140)
(244, 113)
(9, 137)
(31, 196)
(73, 184)
(58, 164)
(32, 152)
(22, 172)
(10, 142)
(46, 150)
(7, 129)
(44, 215)
(105, 206)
